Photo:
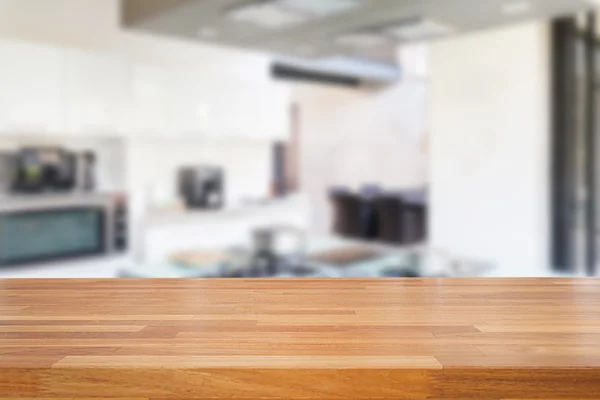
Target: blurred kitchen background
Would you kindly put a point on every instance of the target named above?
(297, 138)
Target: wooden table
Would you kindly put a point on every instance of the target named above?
(300, 339)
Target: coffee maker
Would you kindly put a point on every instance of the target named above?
(202, 187)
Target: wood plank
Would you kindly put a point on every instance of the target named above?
(71, 328)
(245, 362)
(224, 383)
(515, 383)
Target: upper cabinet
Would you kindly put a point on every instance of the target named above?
(151, 101)
(271, 108)
(97, 93)
(46, 89)
(30, 88)
(228, 108)
(192, 100)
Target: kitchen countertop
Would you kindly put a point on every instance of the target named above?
(160, 217)
(309, 339)
(36, 201)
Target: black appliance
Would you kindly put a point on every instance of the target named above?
(43, 169)
(36, 229)
(202, 187)
(49, 169)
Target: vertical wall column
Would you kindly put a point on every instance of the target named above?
(564, 35)
(574, 145)
(591, 143)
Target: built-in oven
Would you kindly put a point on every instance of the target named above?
(34, 230)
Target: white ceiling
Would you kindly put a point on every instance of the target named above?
(211, 20)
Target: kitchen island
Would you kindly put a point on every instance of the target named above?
(300, 339)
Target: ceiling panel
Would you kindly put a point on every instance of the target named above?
(316, 36)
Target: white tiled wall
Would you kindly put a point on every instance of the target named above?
(490, 147)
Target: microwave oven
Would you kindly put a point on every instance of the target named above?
(54, 228)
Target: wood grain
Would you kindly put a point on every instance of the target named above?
(300, 339)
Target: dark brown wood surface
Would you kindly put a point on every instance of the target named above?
(300, 339)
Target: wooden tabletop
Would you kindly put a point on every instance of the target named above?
(300, 339)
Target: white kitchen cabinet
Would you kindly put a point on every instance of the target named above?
(216, 107)
(152, 100)
(97, 93)
(30, 88)
(229, 108)
(192, 103)
(251, 110)
(55, 90)
(272, 112)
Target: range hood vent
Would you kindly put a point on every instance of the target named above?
(290, 72)
(340, 71)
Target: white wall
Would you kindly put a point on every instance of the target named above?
(94, 27)
(351, 138)
(248, 167)
(489, 116)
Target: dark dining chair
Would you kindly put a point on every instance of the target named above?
(389, 208)
(415, 216)
(347, 214)
(354, 216)
(402, 216)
